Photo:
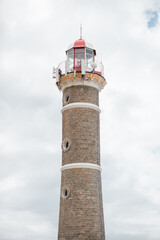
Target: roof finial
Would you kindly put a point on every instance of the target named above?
(80, 31)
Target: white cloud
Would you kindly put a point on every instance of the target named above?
(35, 35)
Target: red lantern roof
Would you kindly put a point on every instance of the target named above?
(79, 43)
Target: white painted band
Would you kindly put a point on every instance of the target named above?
(81, 165)
(81, 105)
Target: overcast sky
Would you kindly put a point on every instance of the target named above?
(34, 35)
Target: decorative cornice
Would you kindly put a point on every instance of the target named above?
(81, 165)
(81, 105)
(90, 79)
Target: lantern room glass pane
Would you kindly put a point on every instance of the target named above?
(70, 60)
(79, 55)
(79, 50)
(89, 57)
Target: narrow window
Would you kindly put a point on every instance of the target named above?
(66, 99)
(65, 192)
(66, 145)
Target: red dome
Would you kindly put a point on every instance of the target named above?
(79, 43)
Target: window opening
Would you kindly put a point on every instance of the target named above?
(66, 145)
(67, 98)
(65, 192)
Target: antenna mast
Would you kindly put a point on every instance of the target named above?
(80, 31)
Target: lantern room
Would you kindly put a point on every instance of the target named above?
(81, 57)
(80, 54)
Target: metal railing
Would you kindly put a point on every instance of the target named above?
(63, 66)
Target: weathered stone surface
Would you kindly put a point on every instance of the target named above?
(81, 127)
(81, 214)
(81, 208)
(81, 94)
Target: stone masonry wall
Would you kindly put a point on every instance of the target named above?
(81, 208)
(81, 128)
(81, 214)
(81, 94)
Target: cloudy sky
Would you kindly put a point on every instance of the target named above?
(34, 35)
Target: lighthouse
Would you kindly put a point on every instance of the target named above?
(80, 78)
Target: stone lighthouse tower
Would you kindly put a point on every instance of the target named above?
(80, 78)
